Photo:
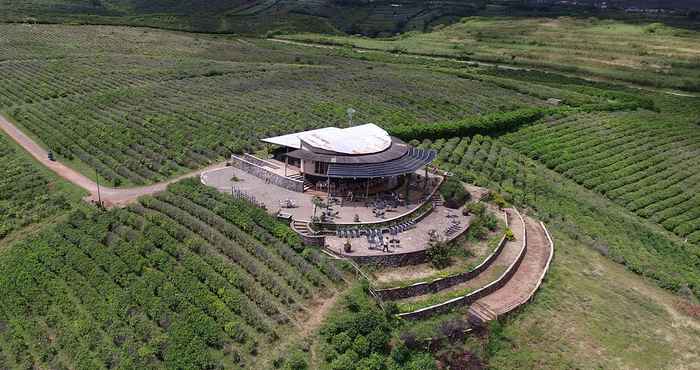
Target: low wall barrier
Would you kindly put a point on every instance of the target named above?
(477, 294)
(541, 278)
(260, 162)
(267, 175)
(391, 260)
(436, 285)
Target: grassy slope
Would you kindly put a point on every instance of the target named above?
(645, 54)
(592, 313)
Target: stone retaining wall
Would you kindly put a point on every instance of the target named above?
(434, 286)
(431, 287)
(391, 260)
(312, 240)
(267, 175)
(541, 279)
(257, 161)
(475, 295)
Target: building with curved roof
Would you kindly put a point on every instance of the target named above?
(360, 152)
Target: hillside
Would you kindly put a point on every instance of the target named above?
(636, 52)
(168, 102)
(595, 135)
(187, 279)
(371, 18)
(245, 16)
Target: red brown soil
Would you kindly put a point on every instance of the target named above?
(110, 196)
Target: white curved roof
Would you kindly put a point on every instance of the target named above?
(364, 139)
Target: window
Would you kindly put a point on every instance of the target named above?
(321, 168)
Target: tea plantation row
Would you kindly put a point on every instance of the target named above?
(187, 279)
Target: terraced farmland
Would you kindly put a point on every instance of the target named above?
(187, 279)
(610, 230)
(644, 162)
(28, 194)
(141, 106)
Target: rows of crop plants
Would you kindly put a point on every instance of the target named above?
(147, 118)
(625, 238)
(648, 54)
(55, 42)
(157, 285)
(642, 161)
(27, 194)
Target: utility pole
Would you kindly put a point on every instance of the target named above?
(97, 180)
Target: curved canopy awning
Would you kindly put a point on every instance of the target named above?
(409, 163)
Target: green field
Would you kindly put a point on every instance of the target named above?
(191, 278)
(140, 105)
(644, 162)
(648, 54)
(29, 195)
(250, 17)
(187, 279)
(640, 245)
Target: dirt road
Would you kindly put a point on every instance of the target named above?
(110, 196)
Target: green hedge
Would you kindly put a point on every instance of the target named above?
(485, 125)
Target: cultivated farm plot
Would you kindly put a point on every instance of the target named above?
(190, 278)
(132, 109)
(643, 161)
(648, 54)
(491, 163)
(28, 194)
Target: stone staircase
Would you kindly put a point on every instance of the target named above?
(437, 200)
(299, 177)
(479, 314)
(302, 227)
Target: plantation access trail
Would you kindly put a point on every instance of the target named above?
(110, 196)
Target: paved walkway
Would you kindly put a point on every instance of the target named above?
(527, 278)
(412, 240)
(110, 196)
(271, 195)
(508, 255)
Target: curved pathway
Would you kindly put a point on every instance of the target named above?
(524, 282)
(110, 196)
(510, 253)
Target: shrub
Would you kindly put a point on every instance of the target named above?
(485, 125)
(454, 193)
(509, 235)
(439, 254)
(476, 209)
(296, 361)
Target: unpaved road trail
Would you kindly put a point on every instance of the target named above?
(110, 196)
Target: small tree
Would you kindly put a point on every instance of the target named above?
(454, 193)
(318, 203)
(439, 254)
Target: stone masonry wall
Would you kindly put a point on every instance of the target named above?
(432, 287)
(271, 177)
